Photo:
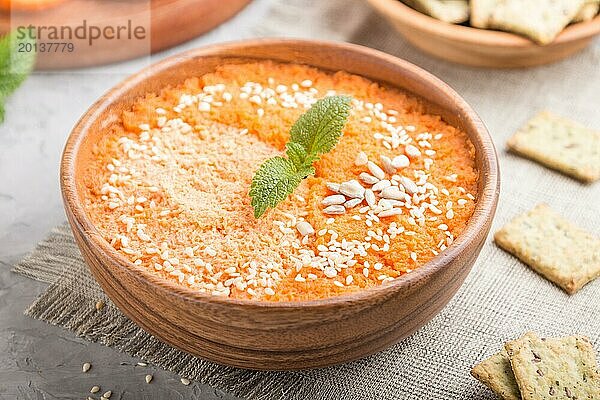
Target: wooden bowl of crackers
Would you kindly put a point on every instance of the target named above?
(494, 34)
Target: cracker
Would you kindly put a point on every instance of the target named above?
(553, 247)
(560, 144)
(496, 373)
(558, 369)
(453, 11)
(588, 11)
(481, 12)
(540, 20)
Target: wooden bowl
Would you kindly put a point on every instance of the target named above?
(285, 335)
(481, 47)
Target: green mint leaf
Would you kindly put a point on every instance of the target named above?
(274, 181)
(316, 132)
(298, 155)
(15, 65)
(319, 129)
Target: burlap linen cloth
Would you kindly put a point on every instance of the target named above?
(500, 299)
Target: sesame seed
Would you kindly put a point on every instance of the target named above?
(95, 389)
(334, 210)
(305, 228)
(461, 202)
(393, 193)
(443, 227)
(306, 83)
(338, 283)
(409, 185)
(379, 186)
(99, 306)
(389, 213)
(361, 159)
(353, 189)
(370, 197)
(334, 187)
(386, 162)
(255, 99)
(86, 367)
(375, 170)
(107, 394)
(333, 199)
(412, 151)
(368, 178)
(269, 291)
(149, 378)
(400, 162)
(185, 381)
(352, 203)
(330, 221)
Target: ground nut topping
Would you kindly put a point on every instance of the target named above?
(167, 186)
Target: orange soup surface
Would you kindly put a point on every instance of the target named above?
(167, 185)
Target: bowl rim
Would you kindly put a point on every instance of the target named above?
(469, 34)
(484, 209)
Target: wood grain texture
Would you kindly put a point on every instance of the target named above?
(166, 22)
(286, 335)
(481, 47)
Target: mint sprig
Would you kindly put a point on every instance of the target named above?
(15, 65)
(316, 132)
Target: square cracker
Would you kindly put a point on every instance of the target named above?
(560, 144)
(453, 11)
(553, 247)
(481, 12)
(496, 373)
(558, 369)
(539, 20)
(588, 11)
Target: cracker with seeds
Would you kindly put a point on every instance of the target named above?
(588, 11)
(560, 144)
(559, 369)
(481, 12)
(540, 20)
(496, 373)
(553, 247)
(453, 11)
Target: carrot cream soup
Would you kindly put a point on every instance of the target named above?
(168, 185)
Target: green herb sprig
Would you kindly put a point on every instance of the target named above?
(316, 132)
(15, 65)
